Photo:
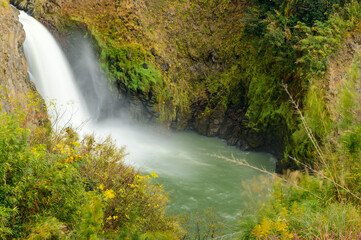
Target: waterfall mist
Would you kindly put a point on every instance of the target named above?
(92, 82)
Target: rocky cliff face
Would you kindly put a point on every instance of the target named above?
(14, 83)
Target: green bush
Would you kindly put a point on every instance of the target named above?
(324, 205)
(303, 208)
(59, 187)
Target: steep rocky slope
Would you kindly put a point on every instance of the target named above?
(14, 80)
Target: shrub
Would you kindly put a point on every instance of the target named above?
(58, 186)
(303, 208)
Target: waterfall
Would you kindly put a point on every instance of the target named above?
(50, 71)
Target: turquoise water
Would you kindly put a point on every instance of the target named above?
(187, 168)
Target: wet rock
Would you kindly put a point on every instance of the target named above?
(201, 125)
(181, 121)
(216, 119)
(137, 110)
(254, 139)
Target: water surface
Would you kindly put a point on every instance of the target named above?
(190, 168)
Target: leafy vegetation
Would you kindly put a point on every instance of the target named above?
(55, 185)
(304, 208)
(325, 204)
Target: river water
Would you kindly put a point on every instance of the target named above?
(184, 161)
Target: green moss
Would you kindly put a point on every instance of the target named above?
(130, 66)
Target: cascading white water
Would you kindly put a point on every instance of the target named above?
(182, 161)
(51, 73)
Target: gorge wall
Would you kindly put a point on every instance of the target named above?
(14, 84)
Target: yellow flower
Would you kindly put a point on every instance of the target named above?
(109, 194)
(154, 175)
(281, 226)
(101, 187)
(263, 229)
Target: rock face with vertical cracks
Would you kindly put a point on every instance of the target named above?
(14, 81)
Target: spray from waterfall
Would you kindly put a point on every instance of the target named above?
(92, 82)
